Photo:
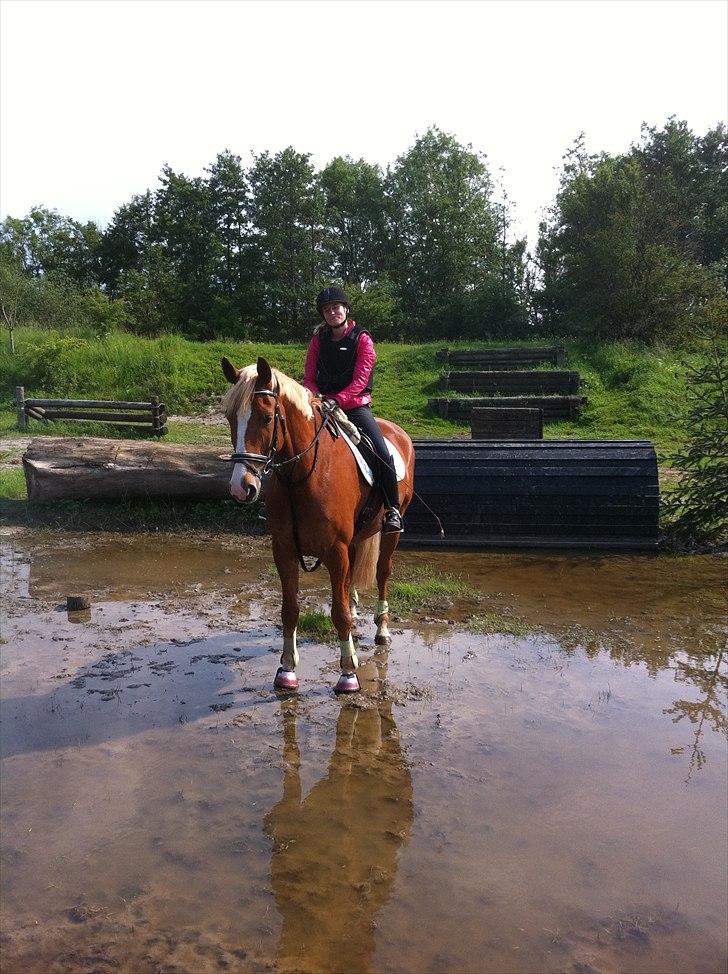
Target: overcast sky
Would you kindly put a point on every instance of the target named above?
(97, 95)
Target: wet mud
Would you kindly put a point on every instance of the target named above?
(552, 801)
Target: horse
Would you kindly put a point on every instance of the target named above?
(317, 503)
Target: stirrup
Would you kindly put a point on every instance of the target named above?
(392, 523)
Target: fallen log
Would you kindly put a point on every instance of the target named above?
(93, 468)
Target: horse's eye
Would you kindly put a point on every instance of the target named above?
(267, 420)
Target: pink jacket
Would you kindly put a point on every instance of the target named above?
(352, 395)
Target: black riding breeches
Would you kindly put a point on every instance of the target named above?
(363, 418)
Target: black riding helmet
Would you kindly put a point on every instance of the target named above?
(329, 295)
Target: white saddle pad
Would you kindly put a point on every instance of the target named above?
(364, 466)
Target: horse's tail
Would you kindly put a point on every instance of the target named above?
(365, 562)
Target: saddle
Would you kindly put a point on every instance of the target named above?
(339, 425)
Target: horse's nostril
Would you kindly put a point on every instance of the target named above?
(252, 492)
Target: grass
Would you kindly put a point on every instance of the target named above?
(12, 484)
(134, 515)
(316, 624)
(633, 391)
(416, 587)
(496, 622)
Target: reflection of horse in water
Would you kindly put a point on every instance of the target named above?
(334, 856)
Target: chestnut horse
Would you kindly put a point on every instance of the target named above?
(314, 496)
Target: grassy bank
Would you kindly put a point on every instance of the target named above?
(633, 391)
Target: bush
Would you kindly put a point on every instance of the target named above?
(697, 508)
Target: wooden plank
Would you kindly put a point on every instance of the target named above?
(513, 383)
(535, 542)
(90, 415)
(550, 492)
(493, 424)
(510, 358)
(20, 414)
(552, 406)
(91, 404)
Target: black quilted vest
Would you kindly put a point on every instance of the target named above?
(336, 361)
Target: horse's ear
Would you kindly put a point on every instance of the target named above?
(265, 376)
(231, 373)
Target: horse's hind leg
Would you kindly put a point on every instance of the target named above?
(287, 566)
(384, 570)
(340, 572)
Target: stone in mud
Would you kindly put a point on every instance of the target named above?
(77, 603)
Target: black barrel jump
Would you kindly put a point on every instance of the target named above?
(535, 494)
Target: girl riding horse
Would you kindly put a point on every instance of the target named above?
(340, 366)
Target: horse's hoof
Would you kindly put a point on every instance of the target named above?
(285, 680)
(348, 683)
(382, 640)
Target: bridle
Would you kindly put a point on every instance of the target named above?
(268, 459)
(265, 458)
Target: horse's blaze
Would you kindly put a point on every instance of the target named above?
(244, 486)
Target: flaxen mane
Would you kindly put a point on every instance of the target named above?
(240, 396)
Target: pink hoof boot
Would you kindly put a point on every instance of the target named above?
(285, 680)
(348, 683)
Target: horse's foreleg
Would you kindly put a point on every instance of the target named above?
(287, 566)
(384, 571)
(339, 570)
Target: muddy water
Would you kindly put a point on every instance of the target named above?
(547, 802)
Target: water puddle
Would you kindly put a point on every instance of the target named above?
(552, 801)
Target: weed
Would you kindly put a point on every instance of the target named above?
(315, 623)
(496, 622)
(415, 587)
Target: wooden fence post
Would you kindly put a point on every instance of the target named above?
(156, 425)
(20, 407)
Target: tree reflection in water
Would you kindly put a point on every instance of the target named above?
(708, 677)
(334, 856)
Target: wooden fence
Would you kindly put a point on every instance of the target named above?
(553, 407)
(503, 358)
(511, 383)
(506, 424)
(147, 416)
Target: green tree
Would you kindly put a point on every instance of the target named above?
(286, 213)
(237, 290)
(189, 252)
(45, 242)
(626, 252)
(356, 233)
(444, 229)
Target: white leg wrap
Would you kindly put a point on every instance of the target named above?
(354, 603)
(349, 659)
(382, 607)
(290, 657)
